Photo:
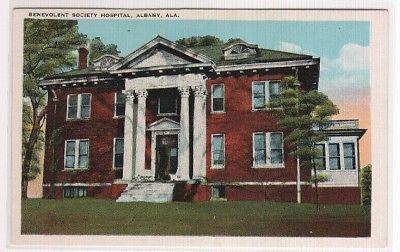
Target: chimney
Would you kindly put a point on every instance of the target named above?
(83, 58)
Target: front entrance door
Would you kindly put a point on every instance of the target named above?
(166, 156)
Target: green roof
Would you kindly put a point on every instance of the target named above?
(77, 72)
(265, 55)
(213, 52)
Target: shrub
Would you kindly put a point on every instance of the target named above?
(366, 178)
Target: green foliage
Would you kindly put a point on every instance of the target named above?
(320, 177)
(98, 48)
(48, 49)
(366, 183)
(302, 115)
(194, 41)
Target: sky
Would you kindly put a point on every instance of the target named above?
(342, 46)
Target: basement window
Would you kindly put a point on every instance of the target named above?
(218, 192)
(74, 192)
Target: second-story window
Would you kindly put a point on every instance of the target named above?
(263, 92)
(167, 105)
(119, 109)
(217, 98)
(78, 106)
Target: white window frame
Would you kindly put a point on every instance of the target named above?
(268, 163)
(113, 164)
(212, 98)
(266, 92)
(217, 166)
(115, 106)
(167, 114)
(341, 153)
(76, 153)
(79, 107)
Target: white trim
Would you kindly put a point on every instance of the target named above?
(79, 107)
(223, 99)
(266, 93)
(113, 162)
(115, 106)
(264, 183)
(160, 40)
(78, 184)
(277, 64)
(213, 166)
(154, 135)
(268, 164)
(76, 154)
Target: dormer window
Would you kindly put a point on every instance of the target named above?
(105, 62)
(240, 50)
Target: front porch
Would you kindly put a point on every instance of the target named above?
(161, 147)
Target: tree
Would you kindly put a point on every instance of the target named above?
(194, 41)
(49, 48)
(366, 182)
(98, 48)
(303, 115)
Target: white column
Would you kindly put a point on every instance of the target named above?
(127, 170)
(140, 133)
(199, 132)
(183, 155)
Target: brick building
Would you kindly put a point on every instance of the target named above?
(169, 122)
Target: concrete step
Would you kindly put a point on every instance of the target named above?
(147, 192)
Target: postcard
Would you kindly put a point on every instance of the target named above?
(204, 128)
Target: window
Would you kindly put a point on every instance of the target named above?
(119, 109)
(118, 153)
(218, 192)
(320, 161)
(217, 100)
(267, 149)
(264, 92)
(334, 156)
(218, 150)
(167, 104)
(74, 192)
(78, 106)
(349, 156)
(76, 154)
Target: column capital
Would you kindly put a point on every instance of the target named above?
(200, 91)
(185, 92)
(129, 95)
(141, 93)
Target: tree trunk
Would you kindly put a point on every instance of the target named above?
(29, 151)
(316, 184)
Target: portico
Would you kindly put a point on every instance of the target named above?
(136, 91)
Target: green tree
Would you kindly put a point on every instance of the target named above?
(98, 48)
(366, 182)
(207, 40)
(49, 48)
(302, 115)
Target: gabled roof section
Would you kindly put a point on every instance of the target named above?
(216, 54)
(164, 124)
(162, 46)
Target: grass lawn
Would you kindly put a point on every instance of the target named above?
(98, 216)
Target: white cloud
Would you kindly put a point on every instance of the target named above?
(351, 57)
(290, 47)
(354, 57)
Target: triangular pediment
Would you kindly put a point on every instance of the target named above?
(164, 124)
(160, 52)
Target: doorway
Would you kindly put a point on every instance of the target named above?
(166, 156)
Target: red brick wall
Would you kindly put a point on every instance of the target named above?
(238, 123)
(104, 192)
(332, 195)
(100, 129)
